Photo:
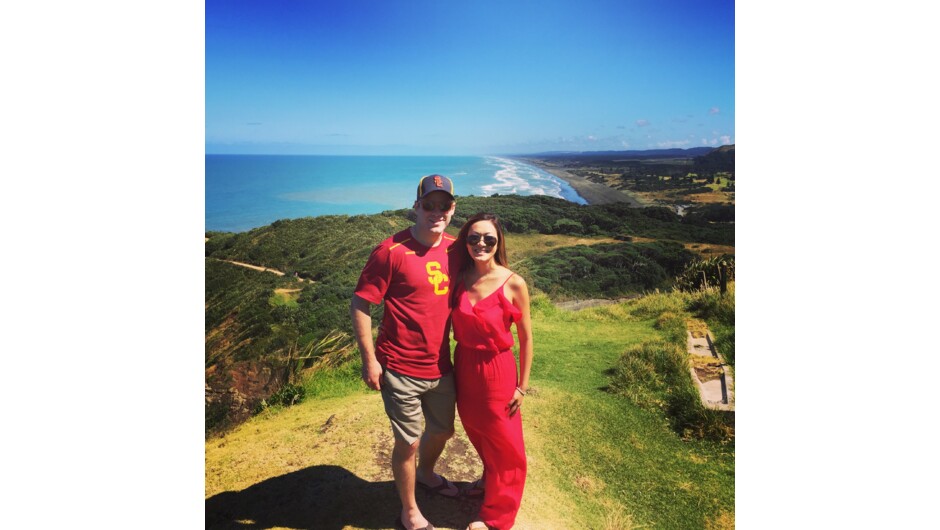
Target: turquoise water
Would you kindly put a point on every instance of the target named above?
(248, 191)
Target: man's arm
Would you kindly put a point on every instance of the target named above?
(362, 326)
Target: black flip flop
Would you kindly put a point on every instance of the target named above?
(400, 525)
(445, 485)
(474, 490)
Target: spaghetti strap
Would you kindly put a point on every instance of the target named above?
(511, 274)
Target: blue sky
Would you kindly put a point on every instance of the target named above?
(417, 77)
(106, 123)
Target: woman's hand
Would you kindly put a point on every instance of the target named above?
(516, 403)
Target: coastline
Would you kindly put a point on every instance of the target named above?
(592, 192)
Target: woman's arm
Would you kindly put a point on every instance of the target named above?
(520, 299)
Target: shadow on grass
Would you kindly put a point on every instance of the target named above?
(328, 497)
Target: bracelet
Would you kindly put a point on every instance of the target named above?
(521, 391)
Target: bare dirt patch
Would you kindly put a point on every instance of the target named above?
(707, 250)
(577, 305)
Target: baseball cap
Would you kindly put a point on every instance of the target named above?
(431, 183)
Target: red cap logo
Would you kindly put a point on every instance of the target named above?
(438, 182)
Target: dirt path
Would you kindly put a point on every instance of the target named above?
(254, 267)
(577, 305)
(266, 269)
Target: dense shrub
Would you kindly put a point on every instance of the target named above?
(712, 272)
(692, 191)
(662, 213)
(287, 395)
(540, 214)
(712, 304)
(606, 270)
(567, 226)
(709, 213)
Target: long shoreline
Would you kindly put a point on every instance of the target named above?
(592, 192)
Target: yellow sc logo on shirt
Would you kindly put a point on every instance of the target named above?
(437, 277)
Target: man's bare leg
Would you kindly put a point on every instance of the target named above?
(430, 449)
(403, 468)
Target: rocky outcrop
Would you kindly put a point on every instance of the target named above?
(234, 390)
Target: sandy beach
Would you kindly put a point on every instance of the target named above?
(592, 192)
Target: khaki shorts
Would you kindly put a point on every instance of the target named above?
(406, 398)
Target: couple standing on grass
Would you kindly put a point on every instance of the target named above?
(430, 280)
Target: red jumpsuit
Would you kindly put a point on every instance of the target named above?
(485, 376)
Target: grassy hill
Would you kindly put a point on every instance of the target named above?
(615, 435)
(599, 456)
(258, 324)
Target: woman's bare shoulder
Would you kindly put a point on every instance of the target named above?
(515, 282)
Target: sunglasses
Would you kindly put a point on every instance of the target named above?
(430, 206)
(487, 240)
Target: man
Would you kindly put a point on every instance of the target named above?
(410, 360)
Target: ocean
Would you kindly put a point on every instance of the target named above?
(248, 191)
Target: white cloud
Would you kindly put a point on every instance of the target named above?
(642, 123)
(714, 110)
(670, 144)
(720, 140)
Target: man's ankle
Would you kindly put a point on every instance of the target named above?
(411, 517)
(428, 478)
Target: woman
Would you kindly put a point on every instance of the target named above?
(488, 298)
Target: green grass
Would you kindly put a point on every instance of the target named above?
(339, 382)
(613, 453)
(722, 180)
(596, 458)
(529, 245)
(287, 299)
(576, 348)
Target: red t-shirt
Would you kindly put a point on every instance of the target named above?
(414, 281)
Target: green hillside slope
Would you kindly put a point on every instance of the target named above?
(256, 319)
(597, 458)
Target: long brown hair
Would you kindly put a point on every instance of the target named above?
(460, 246)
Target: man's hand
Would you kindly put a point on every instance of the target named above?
(362, 326)
(372, 375)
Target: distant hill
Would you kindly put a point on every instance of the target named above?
(717, 160)
(650, 153)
